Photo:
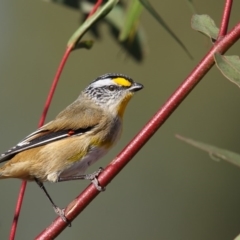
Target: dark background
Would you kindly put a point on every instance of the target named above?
(170, 190)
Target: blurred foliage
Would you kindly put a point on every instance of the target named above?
(74, 41)
(135, 44)
(131, 20)
(160, 20)
(214, 152)
(123, 22)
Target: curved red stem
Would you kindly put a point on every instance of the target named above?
(41, 122)
(54, 85)
(17, 210)
(95, 7)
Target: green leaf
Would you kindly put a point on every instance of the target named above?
(214, 152)
(100, 13)
(237, 238)
(131, 20)
(153, 12)
(229, 67)
(136, 44)
(205, 25)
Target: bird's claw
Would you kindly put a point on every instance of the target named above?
(93, 177)
(60, 213)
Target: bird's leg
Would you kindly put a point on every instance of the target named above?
(58, 211)
(91, 176)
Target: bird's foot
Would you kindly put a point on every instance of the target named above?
(93, 177)
(60, 213)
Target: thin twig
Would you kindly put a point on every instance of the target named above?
(95, 8)
(225, 19)
(54, 85)
(17, 210)
(41, 122)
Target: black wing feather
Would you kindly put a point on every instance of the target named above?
(41, 140)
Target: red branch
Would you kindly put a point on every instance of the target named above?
(77, 206)
(225, 19)
(54, 85)
(17, 210)
(41, 122)
(95, 7)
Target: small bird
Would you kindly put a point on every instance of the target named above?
(64, 148)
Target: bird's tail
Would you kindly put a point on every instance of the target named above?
(2, 174)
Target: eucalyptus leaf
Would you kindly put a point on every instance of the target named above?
(154, 13)
(131, 20)
(135, 45)
(214, 152)
(205, 25)
(229, 67)
(100, 13)
(237, 238)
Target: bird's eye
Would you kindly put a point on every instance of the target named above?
(112, 88)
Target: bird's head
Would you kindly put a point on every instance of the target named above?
(112, 91)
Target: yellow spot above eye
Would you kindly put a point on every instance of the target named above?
(122, 82)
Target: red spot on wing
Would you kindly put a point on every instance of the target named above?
(70, 132)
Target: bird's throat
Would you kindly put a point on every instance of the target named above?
(123, 104)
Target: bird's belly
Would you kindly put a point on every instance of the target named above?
(80, 166)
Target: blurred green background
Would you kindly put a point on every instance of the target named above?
(169, 190)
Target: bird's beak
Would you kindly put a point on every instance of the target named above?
(135, 87)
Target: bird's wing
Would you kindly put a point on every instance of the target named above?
(40, 138)
(62, 127)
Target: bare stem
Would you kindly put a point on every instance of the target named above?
(225, 18)
(17, 210)
(95, 8)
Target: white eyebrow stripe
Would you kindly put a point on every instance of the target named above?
(103, 82)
